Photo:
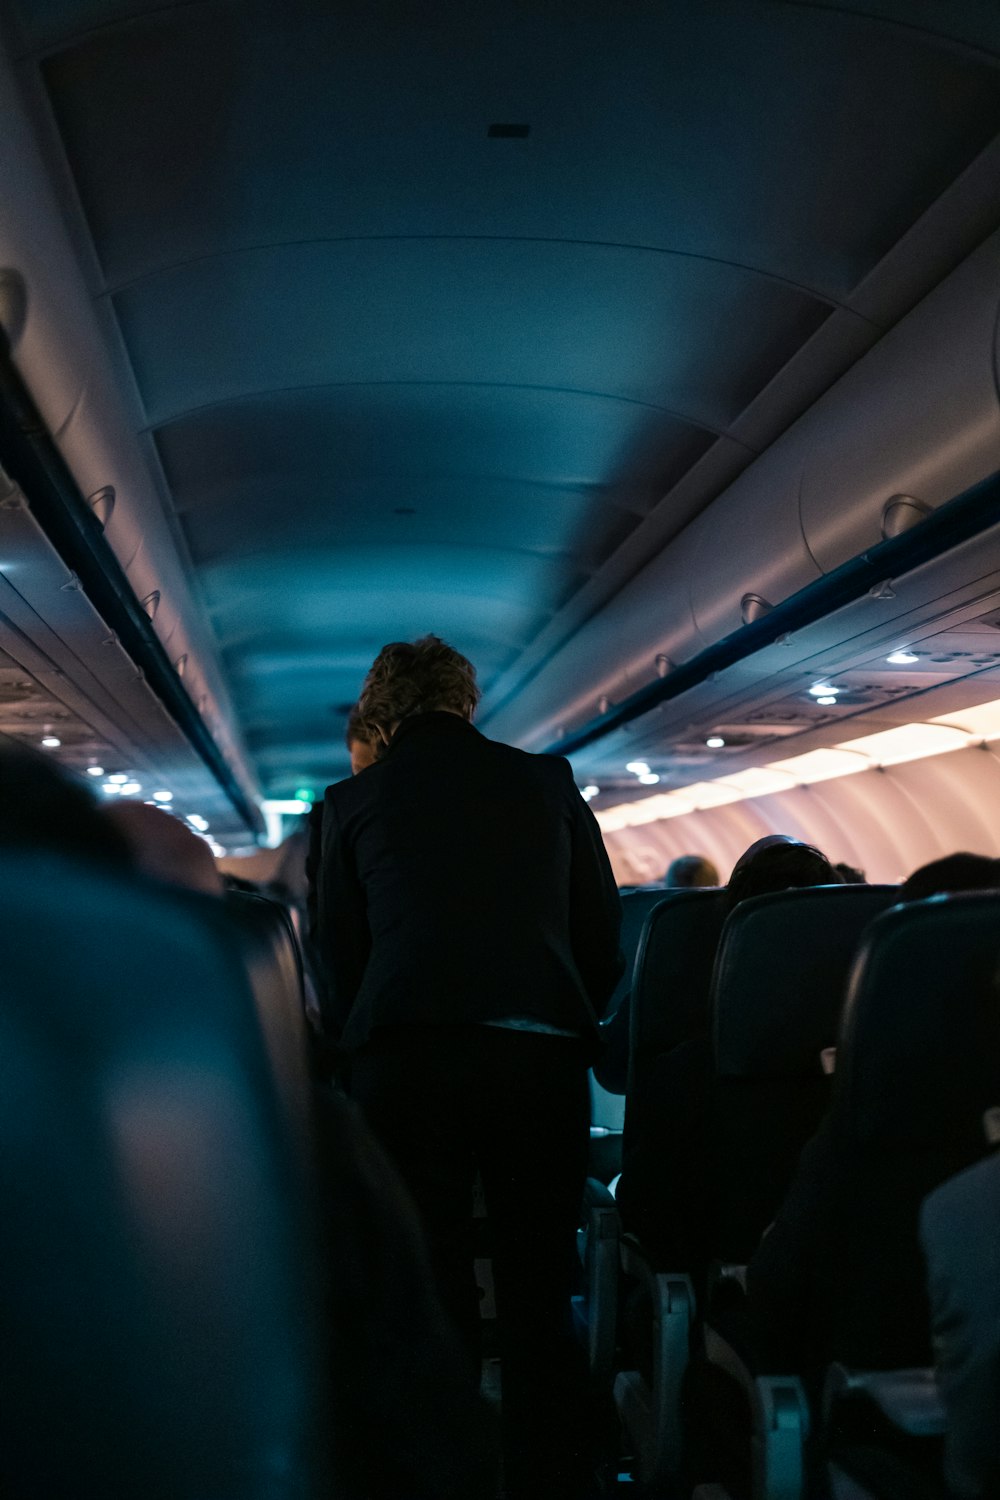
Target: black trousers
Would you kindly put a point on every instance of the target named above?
(447, 1101)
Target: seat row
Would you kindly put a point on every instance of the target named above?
(760, 997)
(212, 1284)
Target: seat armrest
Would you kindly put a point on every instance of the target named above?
(909, 1399)
(651, 1414)
(597, 1245)
(780, 1422)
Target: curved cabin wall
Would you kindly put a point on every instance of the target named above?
(918, 416)
(888, 822)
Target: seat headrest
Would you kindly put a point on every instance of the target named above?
(673, 970)
(636, 906)
(918, 1059)
(781, 975)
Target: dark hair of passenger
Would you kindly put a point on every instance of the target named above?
(955, 872)
(850, 874)
(42, 807)
(778, 864)
(415, 678)
(689, 870)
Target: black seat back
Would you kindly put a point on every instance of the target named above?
(636, 907)
(160, 1285)
(777, 992)
(671, 981)
(918, 1064)
(273, 965)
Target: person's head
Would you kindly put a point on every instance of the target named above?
(416, 678)
(849, 874)
(44, 808)
(690, 870)
(164, 848)
(362, 742)
(956, 872)
(778, 863)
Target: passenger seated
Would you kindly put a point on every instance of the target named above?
(664, 1193)
(44, 808)
(689, 870)
(850, 874)
(164, 848)
(955, 872)
(778, 863)
(960, 1234)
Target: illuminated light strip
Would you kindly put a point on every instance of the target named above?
(888, 747)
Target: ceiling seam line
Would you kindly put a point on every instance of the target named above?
(110, 292)
(474, 385)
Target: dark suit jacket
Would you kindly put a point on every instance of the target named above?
(462, 880)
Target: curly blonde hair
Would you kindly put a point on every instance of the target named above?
(416, 678)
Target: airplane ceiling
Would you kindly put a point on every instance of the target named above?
(401, 374)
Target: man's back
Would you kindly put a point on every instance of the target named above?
(464, 881)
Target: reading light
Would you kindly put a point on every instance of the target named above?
(823, 689)
(649, 779)
(95, 770)
(163, 796)
(715, 742)
(826, 702)
(197, 821)
(51, 743)
(110, 789)
(129, 788)
(902, 658)
(119, 778)
(637, 767)
(589, 792)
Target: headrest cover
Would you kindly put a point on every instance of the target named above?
(636, 907)
(673, 970)
(918, 1059)
(781, 976)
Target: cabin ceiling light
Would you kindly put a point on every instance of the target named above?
(163, 796)
(827, 701)
(650, 778)
(889, 747)
(50, 742)
(902, 658)
(637, 767)
(715, 742)
(892, 747)
(95, 770)
(285, 805)
(824, 690)
(198, 822)
(119, 778)
(590, 792)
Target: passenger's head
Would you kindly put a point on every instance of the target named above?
(849, 874)
(164, 848)
(44, 808)
(778, 863)
(956, 872)
(363, 743)
(418, 678)
(690, 870)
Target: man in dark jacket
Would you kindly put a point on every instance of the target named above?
(469, 922)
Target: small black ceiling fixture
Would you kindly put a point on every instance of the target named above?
(508, 131)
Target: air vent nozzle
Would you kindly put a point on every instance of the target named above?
(754, 607)
(901, 513)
